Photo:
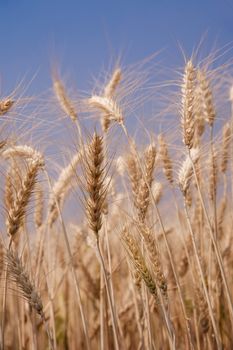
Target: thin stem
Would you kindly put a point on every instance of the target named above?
(113, 316)
(4, 308)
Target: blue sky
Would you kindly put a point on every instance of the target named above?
(84, 35)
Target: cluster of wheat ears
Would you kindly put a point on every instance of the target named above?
(144, 261)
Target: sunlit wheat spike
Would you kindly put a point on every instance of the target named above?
(225, 147)
(165, 158)
(187, 103)
(186, 170)
(213, 174)
(17, 210)
(9, 190)
(134, 171)
(114, 81)
(63, 99)
(5, 105)
(62, 186)
(24, 151)
(207, 106)
(108, 106)
(199, 114)
(66, 175)
(143, 196)
(156, 190)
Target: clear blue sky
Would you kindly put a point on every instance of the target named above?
(84, 35)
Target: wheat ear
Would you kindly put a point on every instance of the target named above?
(186, 171)
(63, 99)
(62, 186)
(17, 211)
(143, 196)
(94, 183)
(114, 81)
(5, 105)
(17, 273)
(24, 151)
(138, 262)
(165, 158)
(187, 103)
(108, 106)
(225, 147)
(208, 109)
(154, 257)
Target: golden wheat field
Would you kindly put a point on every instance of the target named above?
(116, 211)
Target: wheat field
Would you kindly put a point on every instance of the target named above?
(116, 227)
